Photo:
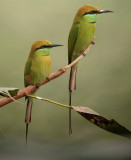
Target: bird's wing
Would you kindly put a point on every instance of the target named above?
(72, 40)
(27, 71)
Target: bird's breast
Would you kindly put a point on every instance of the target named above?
(40, 69)
(85, 36)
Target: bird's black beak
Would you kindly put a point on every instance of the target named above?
(104, 11)
(55, 45)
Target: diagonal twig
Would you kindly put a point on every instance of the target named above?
(52, 76)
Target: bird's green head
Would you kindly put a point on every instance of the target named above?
(42, 47)
(89, 13)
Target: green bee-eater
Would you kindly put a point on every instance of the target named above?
(37, 69)
(80, 36)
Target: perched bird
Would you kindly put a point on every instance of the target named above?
(37, 69)
(80, 36)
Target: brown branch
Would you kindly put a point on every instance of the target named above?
(52, 76)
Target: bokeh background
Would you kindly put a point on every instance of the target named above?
(103, 81)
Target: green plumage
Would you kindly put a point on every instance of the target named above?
(37, 69)
(80, 36)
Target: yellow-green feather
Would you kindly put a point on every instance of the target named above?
(80, 36)
(37, 69)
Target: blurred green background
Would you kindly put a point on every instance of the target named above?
(103, 81)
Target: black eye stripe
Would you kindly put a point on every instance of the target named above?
(44, 46)
(91, 12)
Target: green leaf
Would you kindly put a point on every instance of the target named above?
(108, 125)
(8, 92)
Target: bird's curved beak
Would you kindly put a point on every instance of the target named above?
(55, 45)
(104, 11)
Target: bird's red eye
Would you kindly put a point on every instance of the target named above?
(91, 12)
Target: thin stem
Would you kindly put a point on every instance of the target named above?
(49, 100)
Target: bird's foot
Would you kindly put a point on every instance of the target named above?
(83, 53)
(37, 86)
(93, 42)
(48, 78)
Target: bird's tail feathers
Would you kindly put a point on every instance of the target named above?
(28, 114)
(28, 110)
(72, 86)
(72, 81)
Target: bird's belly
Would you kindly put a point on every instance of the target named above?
(85, 36)
(40, 69)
